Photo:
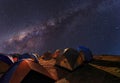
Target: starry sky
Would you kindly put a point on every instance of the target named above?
(41, 25)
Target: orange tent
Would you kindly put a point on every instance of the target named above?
(27, 71)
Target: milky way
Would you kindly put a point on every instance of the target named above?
(40, 36)
(94, 24)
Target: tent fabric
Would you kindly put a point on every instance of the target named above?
(5, 63)
(87, 54)
(24, 56)
(57, 53)
(17, 73)
(15, 56)
(35, 57)
(27, 56)
(55, 71)
(70, 59)
(47, 55)
(71, 55)
(3, 67)
(6, 59)
(64, 80)
(61, 72)
(6, 77)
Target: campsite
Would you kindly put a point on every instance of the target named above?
(62, 66)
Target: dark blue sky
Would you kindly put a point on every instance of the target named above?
(41, 25)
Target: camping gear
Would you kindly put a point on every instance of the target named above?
(26, 71)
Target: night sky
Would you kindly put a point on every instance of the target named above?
(41, 25)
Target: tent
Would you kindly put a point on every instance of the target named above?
(57, 53)
(85, 53)
(70, 59)
(3, 67)
(29, 56)
(35, 57)
(5, 63)
(26, 71)
(6, 59)
(47, 55)
(62, 81)
(14, 56)
(24, 56)
(56, 71)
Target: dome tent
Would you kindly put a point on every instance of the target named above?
(70, 59)
(5, 63)
(29, 56)
(86, 53)
(26, 71)
(6, 59)
(47, 55)
(24, 56)
(14, 56)
(57, 53)
(35, 57)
